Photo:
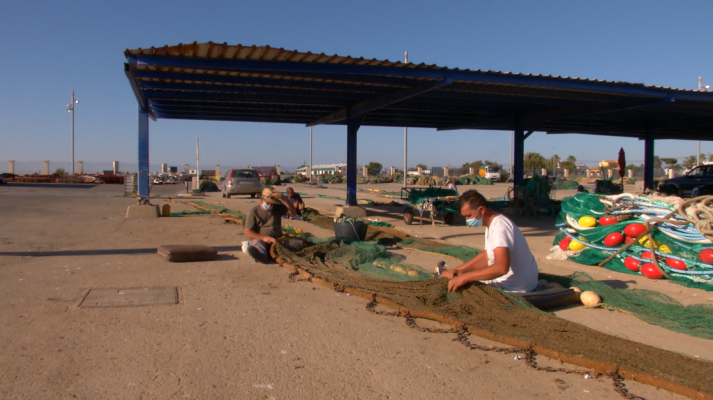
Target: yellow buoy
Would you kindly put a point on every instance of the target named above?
(576, 246)
(665, 249)
(587, 221)
(589, 298)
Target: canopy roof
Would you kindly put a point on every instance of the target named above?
(208, 81)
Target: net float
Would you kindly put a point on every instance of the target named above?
(632, 264)
(650, 271)
(706, 256)
(576, 246)
(647, 254)
(634, 230)
(604, 221)
(590, 298)
(564, 243)
(587, 221)
(676, 264)
(614, 239)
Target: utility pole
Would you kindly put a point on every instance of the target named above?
(405, 139)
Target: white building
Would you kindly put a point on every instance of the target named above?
(320, 169)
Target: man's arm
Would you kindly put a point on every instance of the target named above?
(254, 235)
(477, 262)
(290, 208)
(500, 267)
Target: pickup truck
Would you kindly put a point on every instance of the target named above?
(697, 182)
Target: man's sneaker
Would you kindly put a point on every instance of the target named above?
(256, 255)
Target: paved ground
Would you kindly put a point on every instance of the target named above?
(241, 329)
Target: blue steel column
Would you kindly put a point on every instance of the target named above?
(143, 175)
(518, 153)
(352, 128)
(649, 159)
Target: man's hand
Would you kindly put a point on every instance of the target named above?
(456, 283)
(268, 239)
(449, 273)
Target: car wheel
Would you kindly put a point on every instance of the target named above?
(223, 193)
(227, 195)
(408, 216)
(252, 195)
(448, 218)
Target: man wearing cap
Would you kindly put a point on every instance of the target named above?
(263, 223)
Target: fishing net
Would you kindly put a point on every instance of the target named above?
(359, 269)
(236, 216)
(681, 241)
(473, 180)
(426, 181)
(207, 185)
(566, 185)
(648, 305)
(398, 178)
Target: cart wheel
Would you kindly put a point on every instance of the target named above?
(448, 218)
(408, 216)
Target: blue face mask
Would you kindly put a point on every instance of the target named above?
(267, 206)
(474, 222)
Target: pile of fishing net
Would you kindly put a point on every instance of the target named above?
(379, 179)
(473, 180)
(362, 180)
(228, 214)
(366, 269)
(206, 185)
(566, 185)
(397, 178)
(426, 181)
(629, 228)
(329, 178)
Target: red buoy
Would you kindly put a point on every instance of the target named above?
(647, 254)
(676, 264)
(564, 243)
(634, 230)
(614, 239)
(631, 264)
(706, 256)
(650, 271)
(607, 221)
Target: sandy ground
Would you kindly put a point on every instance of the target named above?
(243, 330)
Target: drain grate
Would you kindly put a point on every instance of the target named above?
(117, 297)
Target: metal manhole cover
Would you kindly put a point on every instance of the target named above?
(118, 297)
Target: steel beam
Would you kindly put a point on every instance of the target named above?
(352, 128)
(143, 176)
(364, 107)
(649, 159)
(518, 153)
(401, 71)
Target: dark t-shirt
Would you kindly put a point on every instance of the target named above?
(264, 223)
(295, 199)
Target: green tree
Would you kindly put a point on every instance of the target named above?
(374, 168)
(60, 171)
(535, 160)
(690, 162)
(634, 167)
(669, 163)
(568, 165)
(423, 166)
(474, 164)
(571, 159)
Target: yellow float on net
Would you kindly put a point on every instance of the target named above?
(574, 245)
(587, 221)
(664, 249)
(644, 241)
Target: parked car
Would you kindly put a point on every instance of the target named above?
(695, 182)
(241, 181)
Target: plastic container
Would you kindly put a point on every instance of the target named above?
(350, 230)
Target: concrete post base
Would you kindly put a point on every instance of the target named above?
(350, 211)
(143, 211)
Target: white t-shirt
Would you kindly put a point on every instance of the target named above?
(522, 274)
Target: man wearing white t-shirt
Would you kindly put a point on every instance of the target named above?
(506, 263)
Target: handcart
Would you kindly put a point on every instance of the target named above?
(534, 196)
(431, 200)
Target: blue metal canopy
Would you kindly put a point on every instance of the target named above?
(208, 81)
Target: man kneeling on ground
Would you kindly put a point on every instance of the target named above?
(506, 263)
(263, 223)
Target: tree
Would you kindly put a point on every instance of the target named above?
(690, 162)
(535, 160)
(422, 166)
(374, 168)
(634, 167)
(571, 159)
(474, 164)
(59, 171)
(568, 165)
(669, 163)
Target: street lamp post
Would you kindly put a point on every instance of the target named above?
(70, 109)
(701, 87)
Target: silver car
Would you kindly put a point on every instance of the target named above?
(241, 181)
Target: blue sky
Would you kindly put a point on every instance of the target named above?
(50, 49)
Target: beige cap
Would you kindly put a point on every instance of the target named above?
(269, 196)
